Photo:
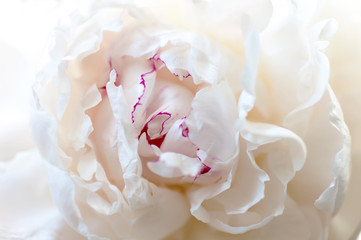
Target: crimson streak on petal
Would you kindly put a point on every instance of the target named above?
(185, 133)
(142, 82)
(159, 140)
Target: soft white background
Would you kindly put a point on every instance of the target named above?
(24, 36)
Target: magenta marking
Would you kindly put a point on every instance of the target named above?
(103, 91)
(205, 169)
(157, 58)
(144, 86)
(159, 140)
(187, 76)
(155, 141)
(169, 116)
(117, 80)
(154, 59)
(185, 133)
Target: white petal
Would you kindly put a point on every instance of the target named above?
(27, 209)
(249, 74)
(285, 38)
(292, 224)
(212, 123)
(331, 199)
(175, 165)
(264, 142)
(345, 56)
(178, 142)
(330, 156)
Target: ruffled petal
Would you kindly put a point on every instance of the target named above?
(332, 197)
(265, 198)
(284, 45)
(294, 223)
(212, 123)
(27, 209)
(321, 154)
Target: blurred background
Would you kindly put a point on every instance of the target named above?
(24, 33)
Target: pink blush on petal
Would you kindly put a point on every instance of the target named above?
(103, 92)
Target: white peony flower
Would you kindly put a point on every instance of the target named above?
(192, 119)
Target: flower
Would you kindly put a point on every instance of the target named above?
(166, 118)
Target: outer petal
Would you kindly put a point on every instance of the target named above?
(284, 45)
(345, 57)
(262, 142)
(292, 224)
(27, 210)
(332, 198)
(305, 88)
(332, 156)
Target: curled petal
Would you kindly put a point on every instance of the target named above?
(294, 223)
(332, 197)
(212, 123)
(175, 165)
(273, 170)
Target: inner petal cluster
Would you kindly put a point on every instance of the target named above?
(160, 102)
